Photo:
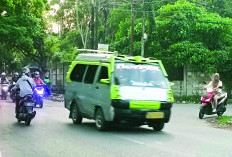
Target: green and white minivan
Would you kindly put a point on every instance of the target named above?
(120, 89)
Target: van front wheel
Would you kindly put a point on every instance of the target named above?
(158, 126)
(100, 120)
(76, 116)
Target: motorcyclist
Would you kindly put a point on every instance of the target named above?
(47, 80)
(3, 78)
(48, 83)
(25, 84)
(215, 85)
(14, 79)
(37, 79)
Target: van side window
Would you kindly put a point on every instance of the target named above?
(103, 73)
(78, 72)
(89, 78)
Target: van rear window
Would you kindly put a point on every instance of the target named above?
(78, 72)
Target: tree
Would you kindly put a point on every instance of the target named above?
(186, 30)
(23, 28)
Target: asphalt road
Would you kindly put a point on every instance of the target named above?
(52, 134)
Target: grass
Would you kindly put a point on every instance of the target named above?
(223, 120)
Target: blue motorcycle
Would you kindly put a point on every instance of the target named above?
(39, 94)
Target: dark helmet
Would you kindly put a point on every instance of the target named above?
(16, 74)
(26, 71)
(46, 77)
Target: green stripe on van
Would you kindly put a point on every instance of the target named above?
(135, 104)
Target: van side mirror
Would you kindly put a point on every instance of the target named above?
(171, 83)
(105, 81)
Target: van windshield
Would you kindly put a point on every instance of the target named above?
(145, 75)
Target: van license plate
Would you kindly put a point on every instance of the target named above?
(153, 115)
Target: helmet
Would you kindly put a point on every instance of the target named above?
(3, 74)
(16, 74)
(26, 70)
(36, 74)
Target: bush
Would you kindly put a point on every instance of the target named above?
(187, 99)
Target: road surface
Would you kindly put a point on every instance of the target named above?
(52, 134)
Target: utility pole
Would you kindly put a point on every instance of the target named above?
(92, 26)
(143, 30)
(132, 29)
(96, 24)
(106, 12)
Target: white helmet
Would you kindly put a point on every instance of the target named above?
(26, 70)
(3, 74)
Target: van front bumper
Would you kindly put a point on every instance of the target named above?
(123, 112)
(141, 115)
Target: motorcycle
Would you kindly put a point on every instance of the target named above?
(206, 104)
(4, 91)
(39, 93)
(12, 92)
(26, 112)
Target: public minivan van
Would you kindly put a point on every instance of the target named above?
(117, 88)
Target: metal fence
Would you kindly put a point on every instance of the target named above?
(58, 77)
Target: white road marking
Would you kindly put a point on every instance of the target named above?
(131, 140)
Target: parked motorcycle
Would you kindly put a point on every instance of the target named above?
(26, 112)
(4, 90)
(39, 93)
(206, 104)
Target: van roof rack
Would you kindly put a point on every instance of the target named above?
(96, 51)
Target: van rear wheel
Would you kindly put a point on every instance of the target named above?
(100, 120)
(76, 115)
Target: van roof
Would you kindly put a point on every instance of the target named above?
(105, 56)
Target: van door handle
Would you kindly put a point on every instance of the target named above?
(97, 87)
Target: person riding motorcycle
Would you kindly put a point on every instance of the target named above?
(37, 79)
(215, 85)
(47, 80)
(48, 83)
(3, 78)
(14, 79)
(25, 84)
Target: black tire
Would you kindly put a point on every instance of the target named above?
(19, 120)
(101, 123)
(76, 115)
(41, 104)
(201, 112)
(158, 126)
(220, 113)
(28, 122)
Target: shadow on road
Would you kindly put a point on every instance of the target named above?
(116, 128)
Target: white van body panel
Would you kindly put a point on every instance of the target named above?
(143, 93)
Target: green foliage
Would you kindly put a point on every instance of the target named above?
(188, 34)
(187, 99)
(22, 27)
(223, 120)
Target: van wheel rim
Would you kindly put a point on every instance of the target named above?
(74, 114)
(99, 122)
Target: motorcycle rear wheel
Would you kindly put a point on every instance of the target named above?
(28, 122)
